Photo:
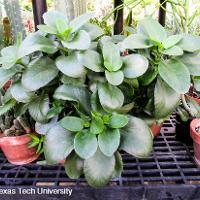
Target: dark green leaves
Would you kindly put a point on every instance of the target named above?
(7, 106)
(165, 99)
(99, 175)
(136, 138)
(118, 121)
(72, 123)
(39, 73)
(85, 144)
(175, 74)
(109, 141)
(58, 144)
(110, 96)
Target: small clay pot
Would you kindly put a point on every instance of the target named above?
(196, 140)
(155, 129)
(16, 149)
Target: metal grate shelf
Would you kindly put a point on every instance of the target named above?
(168, 173)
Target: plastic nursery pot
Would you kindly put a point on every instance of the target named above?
(155, 128)
(196, 139)
(16, 149)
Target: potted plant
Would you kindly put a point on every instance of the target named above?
(89, 100)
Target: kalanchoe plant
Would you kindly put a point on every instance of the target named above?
(87, 98)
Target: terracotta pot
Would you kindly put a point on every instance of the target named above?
(197, 100)
(155, 128)
(196, 140)
(16, 149)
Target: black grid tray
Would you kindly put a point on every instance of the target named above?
(169, 173)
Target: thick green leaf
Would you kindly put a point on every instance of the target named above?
(196, 81)
(135, 65)
(165, 99)
(43, 129)
(97, 125)
(192, 62)
(74, 93)
(184, 115)
(7, 106)
(193, 106)
(80, 21)
(175, 74)
(109, 141)
(136, 138)
(190, 43)
(58, 144)
(5, 75)
(73, 81)
(93, 30)
(111, 55)
(81, 41)
(47, 29)
(51, 18)
(85, 144)
(151, 28)
(70, 66)
(19, 93)
(74, 166)
(171, 41)
(39, 108)
(39, 73)
(118, 165)
(71, 123)
(173, 51)
(91, 59)
(35, 42)
(118, 121)
(99, 175)
(115, 78)
(136, 41)
(110, 96)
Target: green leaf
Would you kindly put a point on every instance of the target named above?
(136, 138)
(35, 42)
(81, 41)
(71, 123)
(93, 30)
(39, 108)
(118, 165)
(47, 29)
(110, 96)
(175, 74)
(171, 41)
(136, 41)
(196, 81)
(7, 106)
(111, 55)
(70, 66)
(78, 94)
(193, 106)
(115, 78)
(78, 22)
(97, 125)
(6, 75)
(91, 59)
(190, 43)
(173, 51)
(74, 166)
(43, 129)
(73, 81)
(39, 73)
(58, 144)
(184, 115)
(118, 121)
(135, 65)
(95, 103)
(165, 99)
(51, 18)
(85, 144)
(152, 29)
(62, 26)
(109, 141)
(99, 175)
(192, 61)
(19, 93)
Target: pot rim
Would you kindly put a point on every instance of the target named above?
(195, 136)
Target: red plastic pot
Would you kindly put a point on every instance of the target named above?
(155, 129)
(196, 140)
(16, 149)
